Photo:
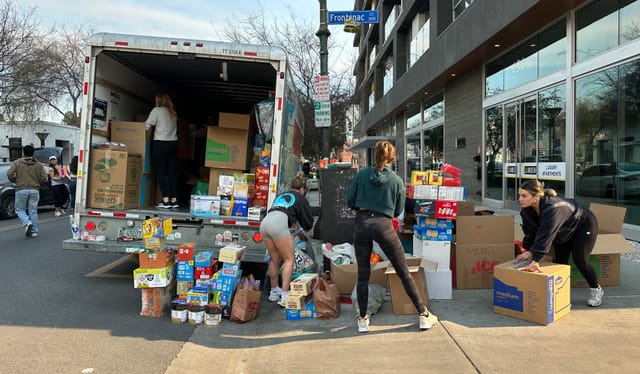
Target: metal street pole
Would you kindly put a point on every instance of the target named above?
(323, 34)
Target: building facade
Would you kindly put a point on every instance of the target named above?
(16, 134)
(507, 91)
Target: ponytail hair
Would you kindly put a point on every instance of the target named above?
(299, 181)
(385, 153)
(536, 188)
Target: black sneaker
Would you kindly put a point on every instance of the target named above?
(174, 204)
(164, 205)
(28, 229)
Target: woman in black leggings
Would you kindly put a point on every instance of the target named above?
(551, 220)
(377, 194)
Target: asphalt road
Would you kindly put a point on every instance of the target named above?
(57, 318)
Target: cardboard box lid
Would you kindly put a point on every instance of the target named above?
(484, 230)
(610, 218)
(611, 243)
(414, 264)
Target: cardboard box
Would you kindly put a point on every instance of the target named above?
(185, 270)
(437, 251)
(537, 297)
(186, 251)
(134, 135)
(214, 178)
(227, 148)
(605, 257)
(152, 278)
(346, 276)
(400, 301)
(309, 311)
(114, 179)
(231, 254)
(439, 284)
(157, 227)
(154, 244)
(482, 242)
(156, 302)
(234, 121)
(156, 259)
(303, 285)
(183, 287)
(206, 206)
(297, 301)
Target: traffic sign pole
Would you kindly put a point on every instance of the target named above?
(323, 34)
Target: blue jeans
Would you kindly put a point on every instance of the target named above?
(27, 201)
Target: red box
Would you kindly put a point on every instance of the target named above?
(156, 259)
(206, 272)
(186, 251)
(453, 182)
(262, 175)
(446, 209)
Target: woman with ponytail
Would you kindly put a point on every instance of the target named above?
(548, 219)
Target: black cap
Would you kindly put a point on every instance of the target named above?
(28, 150)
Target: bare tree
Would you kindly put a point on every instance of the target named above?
(298, 38)
(18, 35)
(59, 71)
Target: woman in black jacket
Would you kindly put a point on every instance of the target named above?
(551, 220)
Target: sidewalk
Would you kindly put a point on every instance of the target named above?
(470, 338)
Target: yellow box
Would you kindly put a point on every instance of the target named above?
(297, 301)
(231, 254)
(435, 178)
(303, 285)
(419, 177)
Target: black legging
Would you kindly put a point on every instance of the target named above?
(579, 247)
(165, 160)
(370, 226)
(60, 194)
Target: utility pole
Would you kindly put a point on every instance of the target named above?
(323, 34)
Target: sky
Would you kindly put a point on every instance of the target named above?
(198, 19)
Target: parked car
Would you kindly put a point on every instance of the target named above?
(604, 180)
(8, 198)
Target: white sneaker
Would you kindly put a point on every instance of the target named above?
(596, 296)
(34, 234)
(363, 324)
(58, 214)
(283, 299)
(274, 294)
(427, 320)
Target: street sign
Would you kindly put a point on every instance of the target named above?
(322, 113)
(321, 88)
(360, 16)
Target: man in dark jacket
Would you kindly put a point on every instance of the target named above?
(27, 174)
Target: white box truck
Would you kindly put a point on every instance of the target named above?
(205, 78)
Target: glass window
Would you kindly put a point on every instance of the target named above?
(413, 118)
(543, 54)
(460, 6)
(413, 153)
(372, 97)
(597, 28)
(493, 153)
(604, 24)
(432, 151)
(388, 75)
(420, 38)
(434, 109)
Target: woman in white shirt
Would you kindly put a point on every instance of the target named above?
(164, 151)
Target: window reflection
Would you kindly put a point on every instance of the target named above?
(493, 153)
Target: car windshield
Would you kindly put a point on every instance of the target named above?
(630, 166)
(3, 173)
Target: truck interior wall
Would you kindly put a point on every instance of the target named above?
(134, 92)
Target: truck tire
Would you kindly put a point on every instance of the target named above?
(8, 207)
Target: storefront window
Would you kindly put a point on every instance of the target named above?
(413, 119)
(541, 55)
(607, 138)
(604, 24)
(493, 153)
(434, 109)
(432, 151)
(413, 153)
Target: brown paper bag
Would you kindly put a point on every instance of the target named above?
(326, 298)
(246, 301)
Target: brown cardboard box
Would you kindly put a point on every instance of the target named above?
(227, 148)
(346, 276)
(400, 301)
(114, 179)
(234, 121)
(133, 134)
(156, 259)
(214, 175)
(537, 297)
(605, 257)
(481, 243)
